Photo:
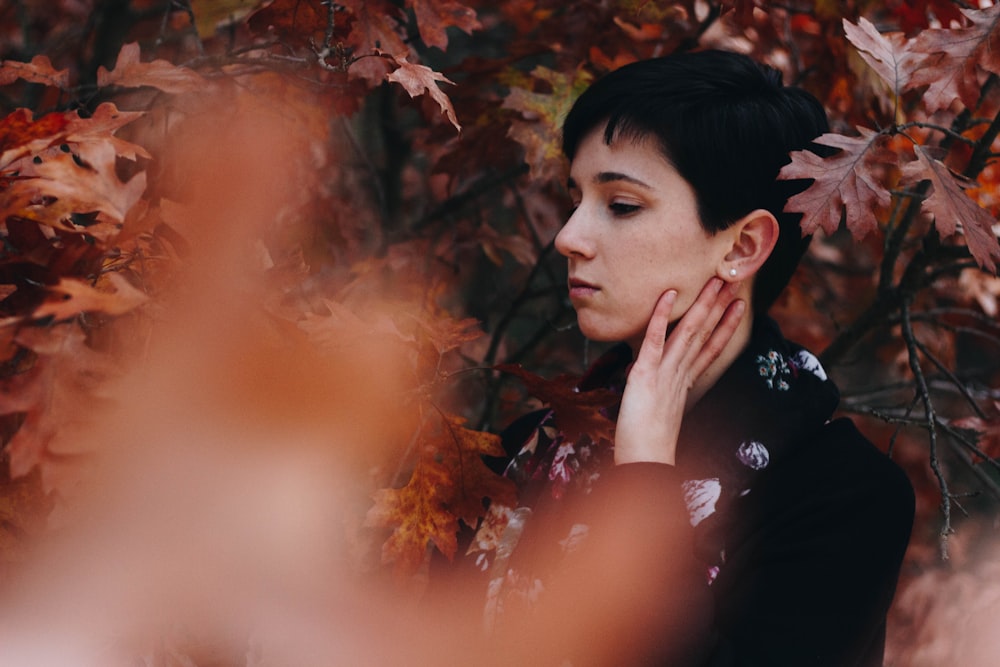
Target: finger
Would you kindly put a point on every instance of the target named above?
(656, 331)
(700, 319)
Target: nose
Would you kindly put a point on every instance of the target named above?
(573, 239)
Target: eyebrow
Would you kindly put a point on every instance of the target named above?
(611, 177)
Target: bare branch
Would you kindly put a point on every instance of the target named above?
(929, 423)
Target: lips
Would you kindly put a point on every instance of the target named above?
(579, 289)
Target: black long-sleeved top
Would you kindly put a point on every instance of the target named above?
(775, 541)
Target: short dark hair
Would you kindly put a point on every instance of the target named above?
(727, 124)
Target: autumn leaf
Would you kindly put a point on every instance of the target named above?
(21, 134)
(39, 70)
(418, 517)
(953, 59)
(954, 210)
(886, 53)
(129, 72)
(461, 450)
(209, 14)
(434, 16)
(987, 430)
(575, 412)
(23, 509)
(374, 31)
(418, 79)
(56, 394)
(846, 181)
(539, 129)
(76, 297)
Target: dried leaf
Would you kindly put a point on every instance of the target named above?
(418, 517)
(417, 79)
(845, 181)
(79, 297)
(374, 31)
(129, 72)
(575, 412)
(39, 70)
(954, 210)
(21, 135)
(886, 53)
(540, 130)
(954, 58)
(461, 450)
(434, 16)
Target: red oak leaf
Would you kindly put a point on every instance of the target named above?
(575, 412)
(954, 58)
(461, 450)
(539, 131)
(76, 296)
(55, 394)
(418, 517)
(846, 181)
(374, 31)
(129, 72)
(418, 79)
(954, 210)
(39, 70)
(434, 16)
(21, 134)
(886, 53)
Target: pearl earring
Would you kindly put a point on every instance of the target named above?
(732, 272)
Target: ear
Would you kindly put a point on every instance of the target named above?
(753, 238)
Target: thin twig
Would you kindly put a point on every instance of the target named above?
(929, 423)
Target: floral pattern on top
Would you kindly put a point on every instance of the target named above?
(774, 369)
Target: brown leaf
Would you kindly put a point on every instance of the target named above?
(56, 394)
(418, 517)
(462, 450)
(417, 79)
(79, 297)
(434, 16)
(845, 181)
(575, 412)
(20, 134)
(886, 53)
(954, 210)
(39, 70)
(129, 72)
(954, 58)
(540, 130)
(374, 31)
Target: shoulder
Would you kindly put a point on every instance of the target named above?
(839, 481)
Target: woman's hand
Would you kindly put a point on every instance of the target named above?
(667, 368)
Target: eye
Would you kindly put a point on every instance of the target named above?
(623, 209)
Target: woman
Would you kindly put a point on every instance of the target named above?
(773, 535)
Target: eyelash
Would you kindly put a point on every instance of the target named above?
(621, 209)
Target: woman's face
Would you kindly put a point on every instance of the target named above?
(635, 234)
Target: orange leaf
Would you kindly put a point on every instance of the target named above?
(79, 297)
(462, 450)
(417, 515)
(39, 70)
(161, 74)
